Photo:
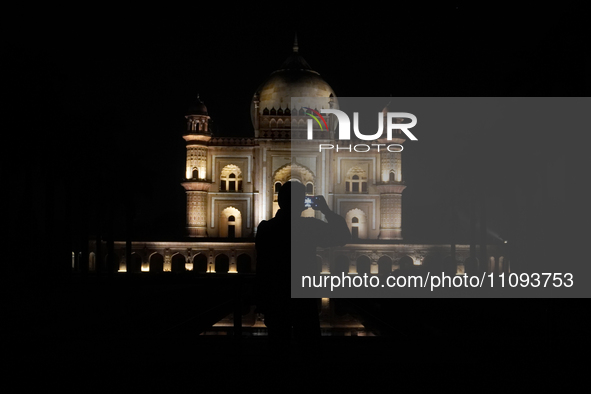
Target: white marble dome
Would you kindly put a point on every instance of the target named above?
(295, 78)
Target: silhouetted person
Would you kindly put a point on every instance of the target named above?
(286, 248)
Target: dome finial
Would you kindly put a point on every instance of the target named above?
(295, 43)
(197, 107)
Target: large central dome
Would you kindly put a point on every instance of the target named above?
(295, 78)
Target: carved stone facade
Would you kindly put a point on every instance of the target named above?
(231, 185)
(354, 259)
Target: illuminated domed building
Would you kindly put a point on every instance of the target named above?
(231, 185)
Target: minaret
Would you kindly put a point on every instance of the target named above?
(391, 186)
(196, 184)
(257, 124)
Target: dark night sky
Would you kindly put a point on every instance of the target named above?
(106, 102)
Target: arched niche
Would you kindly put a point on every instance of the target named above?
(230, 223)
(156, 262)
(357, 221)
(385, 265)
(177, 263)
(231, 178)
(222, 264)
(406, 263)
(356, 180)
(200, 263)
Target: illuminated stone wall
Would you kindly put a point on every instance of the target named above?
(197, 213)
(373, 259)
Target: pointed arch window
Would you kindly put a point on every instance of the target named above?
(231, 179)
(230, 223)
(357, 222)
(356, 181)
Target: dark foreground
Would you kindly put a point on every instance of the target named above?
(101, 334)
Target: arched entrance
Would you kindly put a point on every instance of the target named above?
(384, 265)
(200, 263)
(222, 264)
(156, 262)
(406, 263)
(177, 263)
(357, 221)
(230, 223)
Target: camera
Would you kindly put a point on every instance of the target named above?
(310, 202)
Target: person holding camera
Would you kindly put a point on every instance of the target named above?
(286, 250)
